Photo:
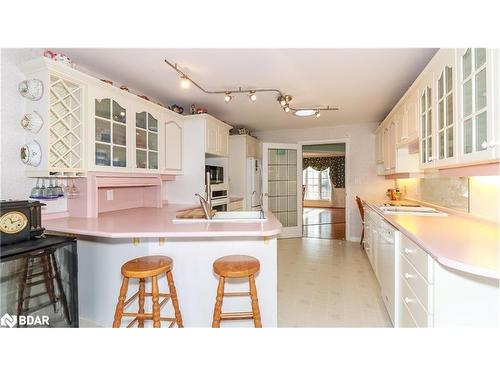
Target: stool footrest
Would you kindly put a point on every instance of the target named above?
(237, 294)
(236, 315)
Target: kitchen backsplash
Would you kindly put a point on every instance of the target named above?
(479, 196)
(446, 192)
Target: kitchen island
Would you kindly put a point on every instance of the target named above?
(105, 243)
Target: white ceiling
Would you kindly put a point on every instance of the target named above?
(364, 83)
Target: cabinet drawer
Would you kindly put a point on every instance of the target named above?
(417, 283)
(410, 301)
(418, 258)
(405, 318)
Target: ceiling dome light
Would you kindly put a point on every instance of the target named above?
(305, 112)
(185, 83)
(318, 114)
(252, 96)
(227, 97)
(286, 109)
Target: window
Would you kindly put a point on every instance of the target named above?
(317, 184)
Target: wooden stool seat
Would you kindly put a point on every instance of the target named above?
(142, 268)
(236, 266)
(147, 266)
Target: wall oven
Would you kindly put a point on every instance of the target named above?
(216, 174)
(220, 204)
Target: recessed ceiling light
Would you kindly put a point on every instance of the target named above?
(305, 112)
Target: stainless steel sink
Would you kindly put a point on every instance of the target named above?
(404, 210)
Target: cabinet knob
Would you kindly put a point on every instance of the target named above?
(408, 300)
(430, 158)
(408, 251)
(493, 144)
(484, 145)
(408, 276)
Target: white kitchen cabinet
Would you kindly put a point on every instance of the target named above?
(436, 296)
(90, 125)
(478, 79)
(172, 135)
(379, 145)
(411, 116)
(111, 118)
(62, 111)
(217, 136)
(426, 120)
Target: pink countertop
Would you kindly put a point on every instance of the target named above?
(157, 222)
(455, 241)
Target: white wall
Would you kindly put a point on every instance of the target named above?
(362, 176)
(13, 182)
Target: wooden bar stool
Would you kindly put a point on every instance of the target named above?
(141, 268)
(236, 266)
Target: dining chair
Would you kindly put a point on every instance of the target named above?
(362, 213)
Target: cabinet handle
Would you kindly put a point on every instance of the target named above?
(408, 276)
(493, 144)
(408, 300)
(430, 158)
(408, 251)
(484, 145)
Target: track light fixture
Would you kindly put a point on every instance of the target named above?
(283, 100)
(185, 83)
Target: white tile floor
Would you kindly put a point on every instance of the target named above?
(327, 283)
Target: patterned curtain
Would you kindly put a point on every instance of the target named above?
(336, 165)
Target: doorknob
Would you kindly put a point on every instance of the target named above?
(266, 195)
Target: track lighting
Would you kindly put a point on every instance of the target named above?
(185, 83)
(283, 99)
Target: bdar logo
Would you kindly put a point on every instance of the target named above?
(8, 320)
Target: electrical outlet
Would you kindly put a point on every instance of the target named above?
(109, 195)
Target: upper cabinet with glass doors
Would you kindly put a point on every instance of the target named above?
(426, 123)
(446, 134)
(110, 132)
(479, 104)
(146, 140)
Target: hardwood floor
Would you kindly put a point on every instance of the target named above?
(326, 223)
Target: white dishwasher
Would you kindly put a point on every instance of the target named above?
(387, 267)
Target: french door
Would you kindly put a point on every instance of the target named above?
(282, 185)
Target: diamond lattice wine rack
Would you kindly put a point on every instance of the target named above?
(62, 109)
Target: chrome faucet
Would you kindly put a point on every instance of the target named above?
(206, 204)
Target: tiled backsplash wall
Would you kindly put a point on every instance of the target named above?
(479, 196)
(451, 193)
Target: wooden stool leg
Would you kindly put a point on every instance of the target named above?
(62, 295)
(22, 287)
(218, 303)
(48, 278)
(175, 302)
(156, 305)
(142, 291)
(121, 302)
(255, 302)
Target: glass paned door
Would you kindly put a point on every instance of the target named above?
(474, 100)
(110, 133)
(445, 114)
(426, 125)
(146, 141)
(282, 190)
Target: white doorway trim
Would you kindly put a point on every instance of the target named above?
(346, 179)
